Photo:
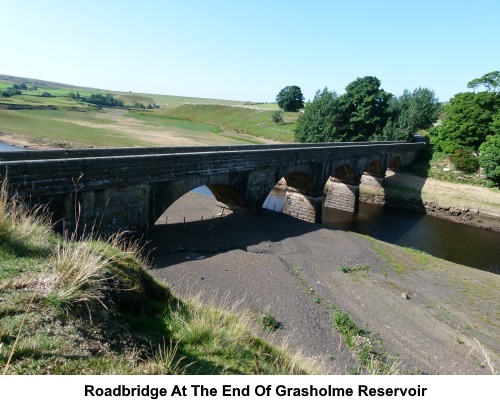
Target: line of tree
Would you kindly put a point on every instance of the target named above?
(471, 127)
(10, 91)
(15, 89)
(101, 100)
(366, 112)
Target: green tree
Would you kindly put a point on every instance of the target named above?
(468, 122)
(290, 98)
(317, 124)
(489, 152)
(363, 109)
(10, 91)
(489, 158)
(277, 117)
(409, 113)
(491, 81)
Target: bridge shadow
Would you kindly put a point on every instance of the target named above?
(403, 189)
(172, 244)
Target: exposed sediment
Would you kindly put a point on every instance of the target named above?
(467, 204)
(424, 310)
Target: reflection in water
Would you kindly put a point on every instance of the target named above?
(458, 243)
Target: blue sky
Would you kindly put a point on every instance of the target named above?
(249, 50)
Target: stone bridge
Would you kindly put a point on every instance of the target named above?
(130, 188)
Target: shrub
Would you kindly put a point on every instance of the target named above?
(277, 117)
(465, 161)
(490, 157)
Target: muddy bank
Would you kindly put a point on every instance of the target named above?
(424, 311)
(462, 203)
(455, 214)
(35, 144)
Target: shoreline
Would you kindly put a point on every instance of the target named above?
(459, 215)
(424, 310)
(461, 203)
(22, 141)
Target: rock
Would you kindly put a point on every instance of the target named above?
(405, 296)
(446, 169)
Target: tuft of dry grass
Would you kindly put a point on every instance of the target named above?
(165, 361)
(487, 358)
(212, 334)
(27, 229)
(78, 271)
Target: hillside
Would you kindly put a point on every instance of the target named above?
(64, 119)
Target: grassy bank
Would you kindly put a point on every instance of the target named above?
(89, 306)
(249, 121)
(438, 166)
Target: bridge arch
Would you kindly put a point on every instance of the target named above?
(372, 180)
(296, 195)
(342, 189)
(164, 195)
(395, 163)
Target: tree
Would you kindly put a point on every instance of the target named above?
(491, 81)
(489, 151)
(409, 113)
(290, 98)
(317, 124)
(490, 158)
(277, 117)
(363, 109)
(10, 91)
(468, 122)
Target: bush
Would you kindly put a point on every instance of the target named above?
(490, 157)
(10, 91)
(465, 161)
(277, 117)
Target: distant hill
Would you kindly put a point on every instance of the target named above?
(46, 83)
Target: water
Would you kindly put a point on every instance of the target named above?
(458, 243)
(5, 147)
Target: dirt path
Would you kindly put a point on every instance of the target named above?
(426, 311)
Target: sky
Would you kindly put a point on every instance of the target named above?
(250, 50)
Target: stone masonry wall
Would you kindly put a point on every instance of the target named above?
(300, 206)
(344, 197)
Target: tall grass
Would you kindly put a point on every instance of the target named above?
(77, 269)
(109, 280)
(225, 341)
(26, 230)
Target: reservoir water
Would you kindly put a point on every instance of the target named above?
(458, 243)
(5, 147)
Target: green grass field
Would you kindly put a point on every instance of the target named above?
(243, 120)
(178, 121)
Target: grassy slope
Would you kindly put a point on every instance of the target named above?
(243, 120)
(90, 307)
(74, 124)
(67, 128)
